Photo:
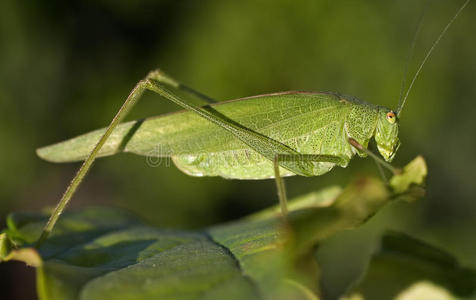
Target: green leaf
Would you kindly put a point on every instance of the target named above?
(411, 269)
(100, 253)
(413, 173)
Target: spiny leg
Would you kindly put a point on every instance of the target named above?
(283, 199)
(131, 100)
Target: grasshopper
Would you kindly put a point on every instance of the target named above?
(259, 137)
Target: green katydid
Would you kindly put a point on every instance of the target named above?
(259, 137)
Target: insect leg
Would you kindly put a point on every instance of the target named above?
(283, 198)
(297, 158)
(377, 159)
(164, 78)
(280, 154)
(128, 104)
(262, 144)
(381, 172)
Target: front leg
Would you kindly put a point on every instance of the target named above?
(377, 159)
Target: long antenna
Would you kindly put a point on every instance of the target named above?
(435, 43)
(411, 52)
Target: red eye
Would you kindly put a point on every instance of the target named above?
(391, 117)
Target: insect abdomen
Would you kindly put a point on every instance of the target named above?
(326, 135)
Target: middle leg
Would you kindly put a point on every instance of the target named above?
(283, 199)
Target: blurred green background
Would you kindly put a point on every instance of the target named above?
(67, 66)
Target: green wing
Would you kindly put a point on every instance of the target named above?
(307, 122)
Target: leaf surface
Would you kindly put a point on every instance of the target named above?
(100, 253)
(410, 269)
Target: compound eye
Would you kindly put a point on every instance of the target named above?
(391, 118)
